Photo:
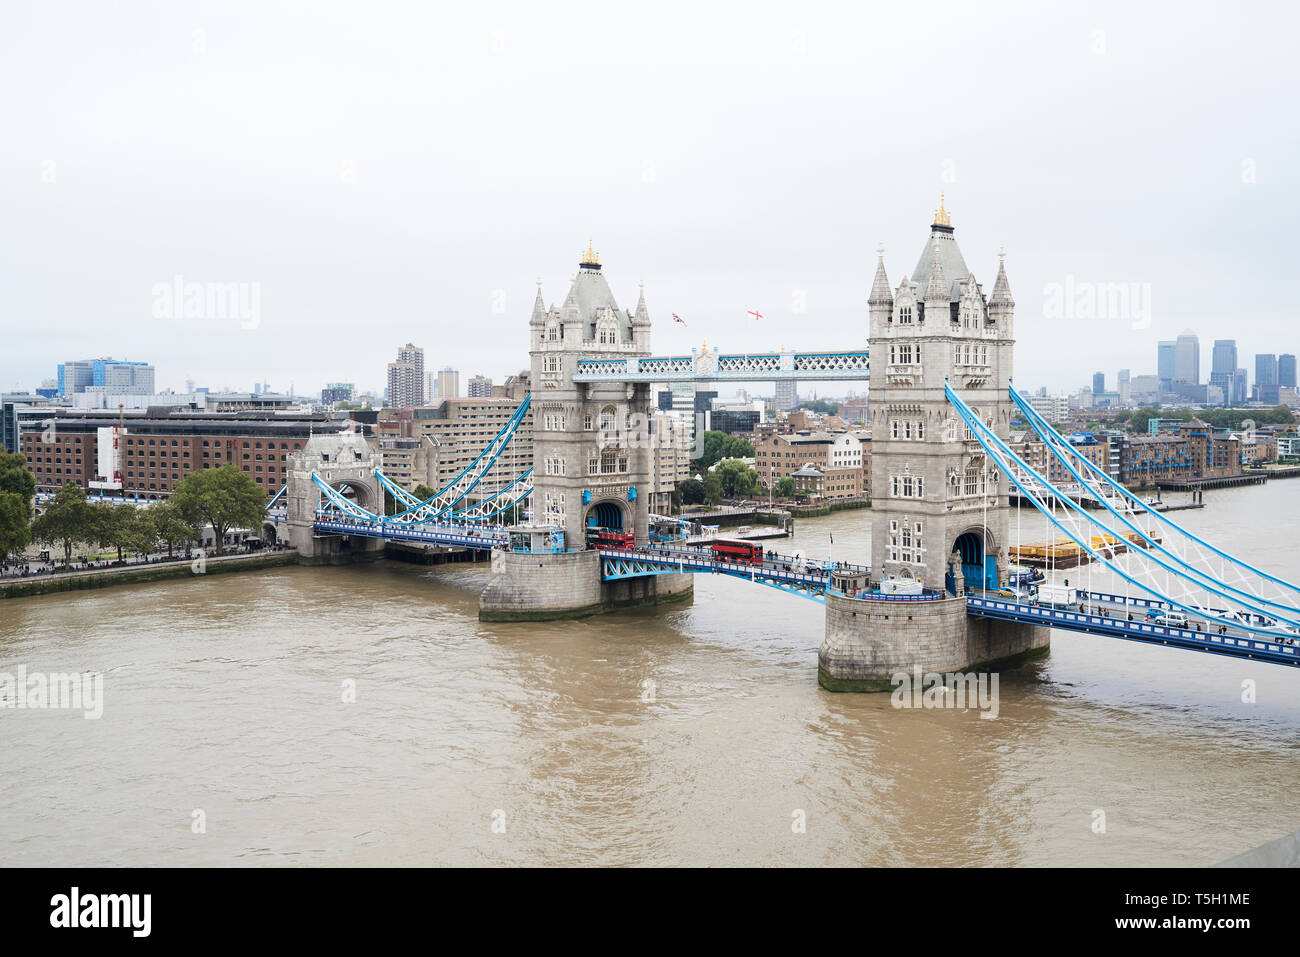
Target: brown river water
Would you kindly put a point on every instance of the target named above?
(692, 736)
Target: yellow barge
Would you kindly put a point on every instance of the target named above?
(1064, 553)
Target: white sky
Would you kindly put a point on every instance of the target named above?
(393, 172)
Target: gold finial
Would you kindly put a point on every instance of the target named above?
(941, 217)
(590, 257)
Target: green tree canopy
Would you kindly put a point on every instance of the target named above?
(692, 492)
(66, 520)
(785, 487)
(171, 526)
(224, 498)
(712, 488)
(424, 493)
(737, 478)
(820, 406)
(720, 445)
(15, 523)
(16, 477)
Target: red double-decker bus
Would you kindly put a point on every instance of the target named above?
(608, 538)
(737, 550)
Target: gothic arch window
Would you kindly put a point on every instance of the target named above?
(608, 461)
(608, 419)
(905, 315)
(552, 331)
(974, 477)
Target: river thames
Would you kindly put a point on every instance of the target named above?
(692, 736)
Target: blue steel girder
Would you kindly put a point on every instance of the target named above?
(1151, 633)
(615, 567)
(706, 366)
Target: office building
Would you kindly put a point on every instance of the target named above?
(1286, 371)
(787, 395)
(1187, 358)
(448, 383)
(1165, 362)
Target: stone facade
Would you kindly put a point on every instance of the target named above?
(930, 483)
(342, 459)
(939, 511)
(539, 587)
(591, 447)
(867, 642)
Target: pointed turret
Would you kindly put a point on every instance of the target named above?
(1001, 287)
(642, 315)
(880, 292)
(539, 307)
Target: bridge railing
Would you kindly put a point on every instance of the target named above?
(1069, 619)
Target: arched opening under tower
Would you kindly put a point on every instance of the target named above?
(268, 534)
(356, 493)
(979, 568)
(605, 515)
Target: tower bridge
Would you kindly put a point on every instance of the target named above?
(939, 357)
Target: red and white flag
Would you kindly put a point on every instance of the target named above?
(677, 318)
(756, 315)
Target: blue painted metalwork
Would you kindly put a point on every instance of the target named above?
(431, 534)
(1149, 633)
(1051, 438)
(618, 564)
(443, 502)
(706, 366)
(995, 447)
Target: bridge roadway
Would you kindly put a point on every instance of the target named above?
(480, 538)
(1091, 616)
(1099, 613)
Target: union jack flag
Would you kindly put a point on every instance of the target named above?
(677, 318)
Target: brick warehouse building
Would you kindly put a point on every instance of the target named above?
(158, 450)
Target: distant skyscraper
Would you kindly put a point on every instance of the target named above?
(406, 378)
(448, 383)
(480, 387)
(1187, 359)
(1224, 357)
(1286, 370)
(787, 394)
(1239, 397)
(1098, 383)
(1122, 387)
(1223, 369)
(1165, 356)
(1265, 369)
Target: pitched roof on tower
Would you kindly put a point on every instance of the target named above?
(942, 248)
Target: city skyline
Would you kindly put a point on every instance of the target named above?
(383, 254)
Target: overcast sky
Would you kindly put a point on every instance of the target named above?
(394, 172)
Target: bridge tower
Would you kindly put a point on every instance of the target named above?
(346, 462)
(592, 464)
(939, 511)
